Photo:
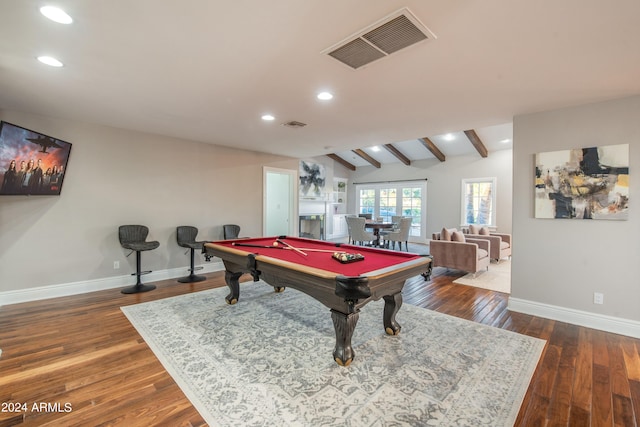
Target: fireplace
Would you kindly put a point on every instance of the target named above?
(312, 226)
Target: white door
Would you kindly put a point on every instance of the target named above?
(279, 202)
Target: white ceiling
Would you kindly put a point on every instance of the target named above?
(207, 70)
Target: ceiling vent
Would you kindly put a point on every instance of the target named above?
(391, 34)
(294, 124)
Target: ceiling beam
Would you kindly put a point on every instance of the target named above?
(367, 157)
(432, 147)
(342, 161)
(393, 150)
(477, 143)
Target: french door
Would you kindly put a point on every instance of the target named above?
(386, 200)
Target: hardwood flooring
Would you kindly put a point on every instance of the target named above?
(80, 362)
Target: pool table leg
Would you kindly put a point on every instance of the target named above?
(233, 283)
(344, 324)
(392, 304)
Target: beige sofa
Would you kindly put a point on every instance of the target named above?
(500, 242)
(466, 254)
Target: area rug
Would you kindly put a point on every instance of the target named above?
(496, 278)
(267, 361)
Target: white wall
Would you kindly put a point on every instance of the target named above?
(561, 263)
(117, 177)
(444, 183)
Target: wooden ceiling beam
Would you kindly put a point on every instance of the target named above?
(342, 161)
(393, 150)
(432, 147)
(477, 142)
(367, 157)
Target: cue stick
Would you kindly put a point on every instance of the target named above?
(280, 247)
(315, 250)
(294, 248)
(257, 246)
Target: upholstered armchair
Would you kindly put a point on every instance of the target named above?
(451, 249)
(500, 242)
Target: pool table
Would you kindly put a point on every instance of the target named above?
(308, 266)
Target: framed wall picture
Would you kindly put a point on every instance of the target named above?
(312, 179)
(583, 183)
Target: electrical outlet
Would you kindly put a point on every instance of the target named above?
(116, 265)
(598, 298)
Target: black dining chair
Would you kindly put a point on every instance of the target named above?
(133, 237)
(186, 236)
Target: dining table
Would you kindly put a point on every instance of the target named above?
(376, 226)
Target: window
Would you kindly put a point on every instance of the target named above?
(388, 201)
(412, 206)
(479, 201)
(395, 199)
(366, 201)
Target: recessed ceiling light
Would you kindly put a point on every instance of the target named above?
(50, 61)
(56, 14)
(449, 137)
(506, 141)
(268, 117)
(376, 148)
(325, 96)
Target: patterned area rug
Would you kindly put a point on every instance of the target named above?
(267, 361)
(496, 278)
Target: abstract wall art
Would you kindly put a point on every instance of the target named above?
(583, 183)
(312, 179)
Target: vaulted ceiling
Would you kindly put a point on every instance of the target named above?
(208, 70)
(480, 143)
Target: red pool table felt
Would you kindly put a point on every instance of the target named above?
(374, 259)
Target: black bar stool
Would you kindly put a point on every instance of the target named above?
(187, 239)
(231, 231)
(134, 237)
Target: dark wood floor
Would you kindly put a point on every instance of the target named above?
(82, 351)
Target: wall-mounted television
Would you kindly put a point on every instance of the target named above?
(31, 163)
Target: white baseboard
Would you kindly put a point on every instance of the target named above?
(75, 288)
(601, 322)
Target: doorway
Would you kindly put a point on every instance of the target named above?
(279, 203)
